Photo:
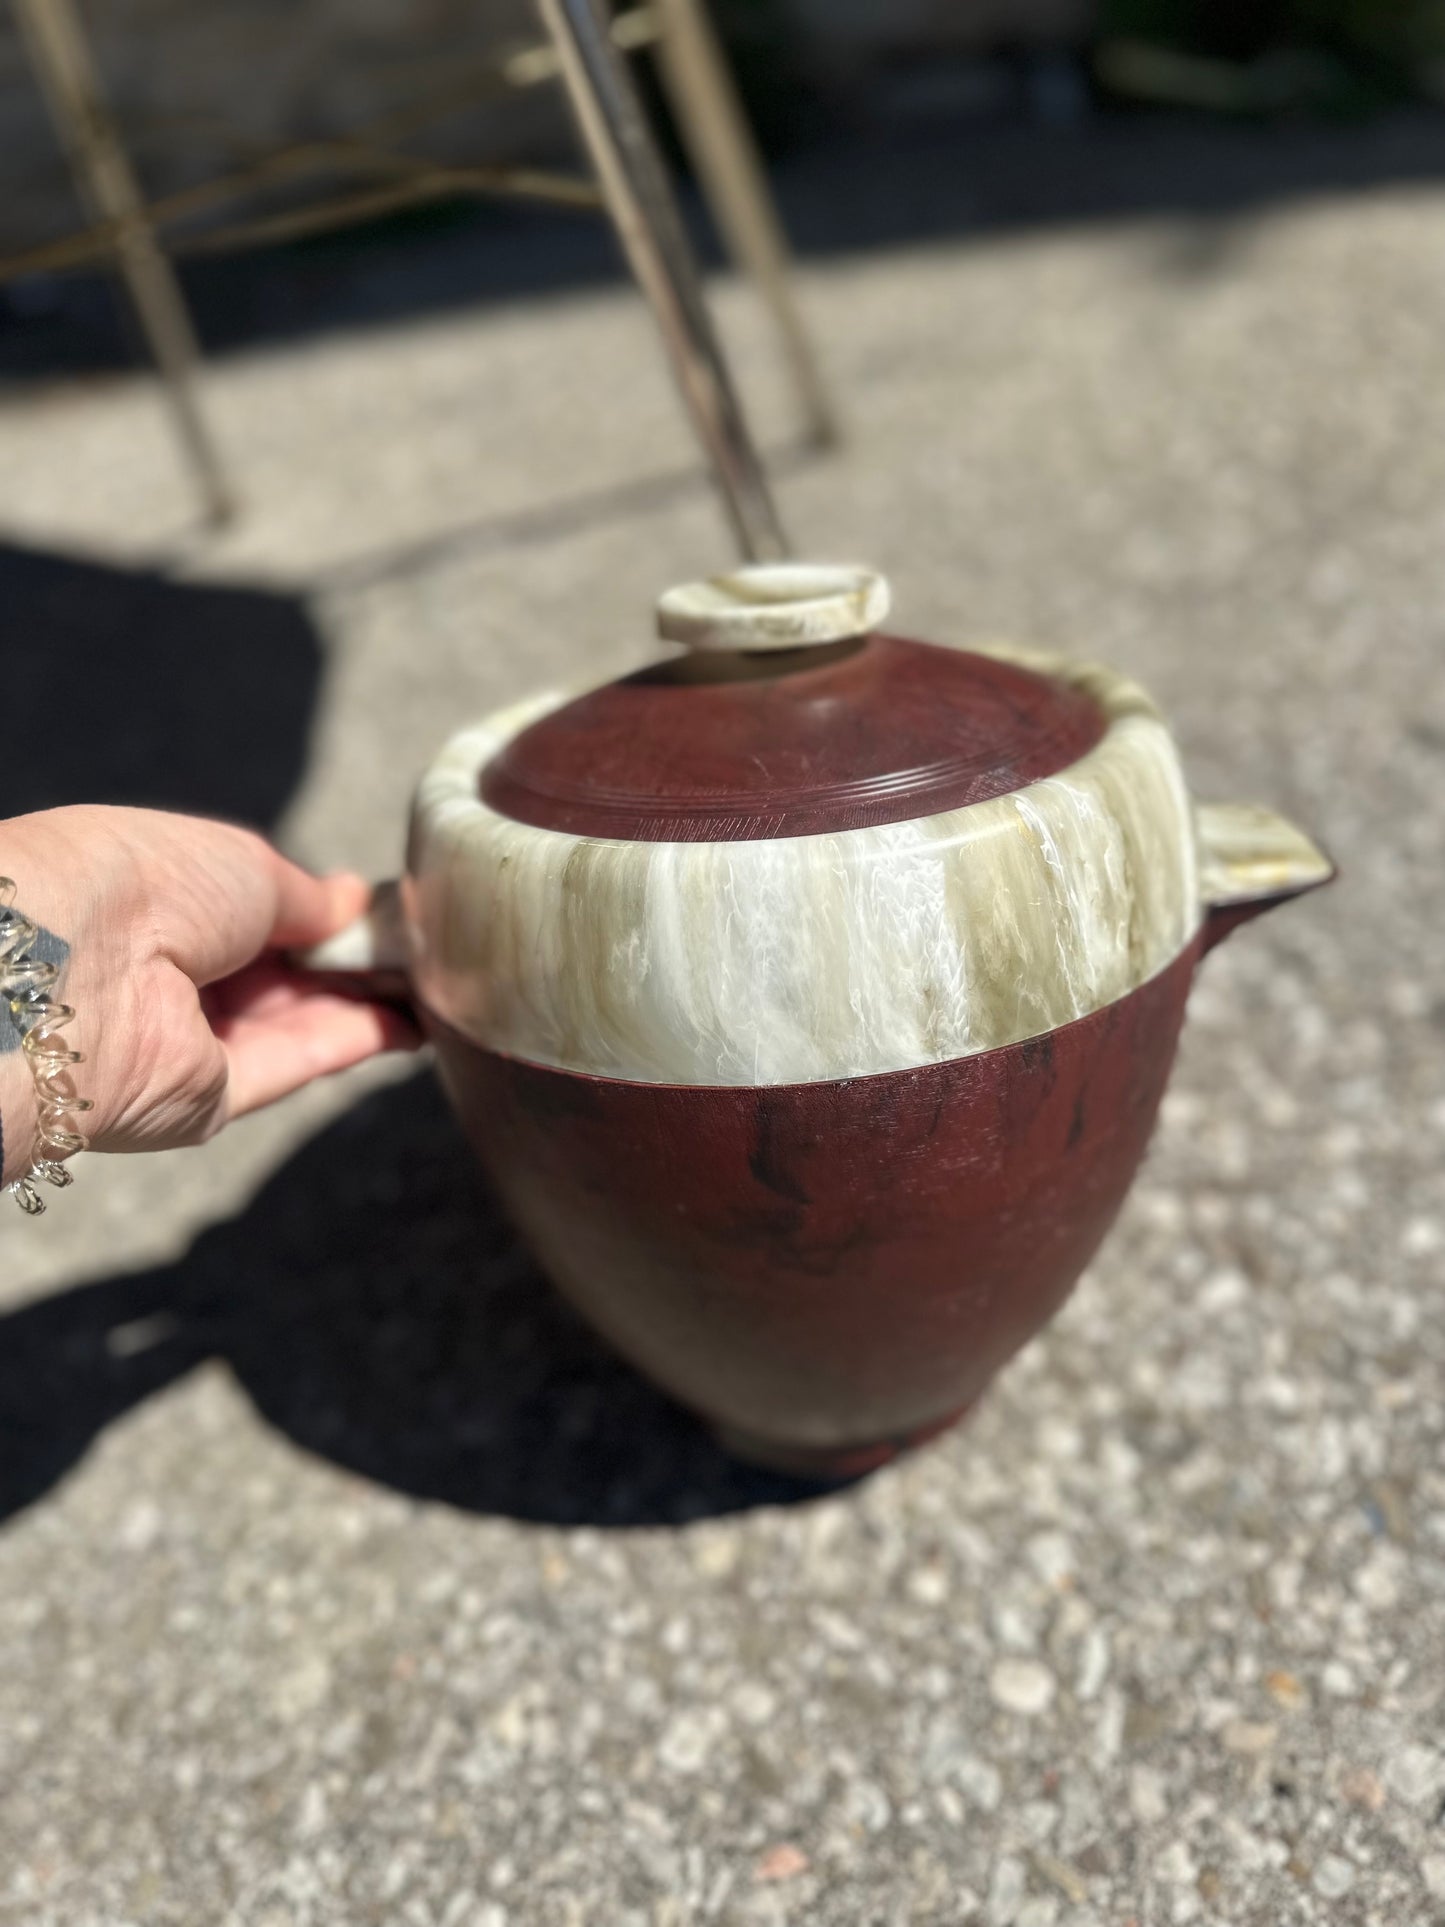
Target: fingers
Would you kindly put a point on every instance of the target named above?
(221, 896)
(206, 896)
(270, 987)
(272, 1054)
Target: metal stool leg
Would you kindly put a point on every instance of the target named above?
(67, 77)
(609, 112)
(719, 141)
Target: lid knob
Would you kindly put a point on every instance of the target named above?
(775, 605)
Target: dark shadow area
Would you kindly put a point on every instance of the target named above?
(872, 185)
(170, 694)
(375, 1305)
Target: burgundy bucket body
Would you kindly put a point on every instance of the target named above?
(829, 1271)
(826, 1271)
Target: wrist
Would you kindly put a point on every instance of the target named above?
(70, 868)
(37, 1096)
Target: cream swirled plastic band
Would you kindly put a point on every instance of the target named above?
(807, 957)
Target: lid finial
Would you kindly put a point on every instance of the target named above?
(775, 605)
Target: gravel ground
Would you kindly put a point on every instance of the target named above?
(345, 1580)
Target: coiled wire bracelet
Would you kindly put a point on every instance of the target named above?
(25, 982)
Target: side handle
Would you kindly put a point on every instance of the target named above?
(1250, 859)
(371, 952)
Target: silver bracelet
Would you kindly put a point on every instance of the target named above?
(24, 984)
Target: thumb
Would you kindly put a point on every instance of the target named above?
(309, 909)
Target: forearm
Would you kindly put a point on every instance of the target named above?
(17, 1114)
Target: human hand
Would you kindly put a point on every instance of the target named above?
(186, 1010)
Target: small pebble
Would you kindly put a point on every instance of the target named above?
(928, 1586)
(783, 1862)
(555, 1569)
(1005, 1892)
(755, 1702)
(1015, 1629)
(1422, 1237)
(464, 1909)
(1052, 1557)
(981, 1782)
(1334, 1876)
(1147, 1796)
(1042, 1911)
(1363, 1789)
(1222, 1290)
(1285, 1690)
(1250, 1737)
(1060, 1874)
(1414, 1774)
(1176, 1865)
(1377, 1582)
(687, 1743)
(1093, 1663)
(716, 1553)
(140, 1527)
(1022, 1685)
(867, 1805)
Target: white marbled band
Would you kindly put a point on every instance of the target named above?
(805, 957)
(787, 961)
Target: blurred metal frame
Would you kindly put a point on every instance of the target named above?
(60, 55)
(649, 226)
(584, 51)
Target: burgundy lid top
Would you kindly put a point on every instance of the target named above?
(841, 734)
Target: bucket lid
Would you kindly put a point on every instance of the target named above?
(791, 713)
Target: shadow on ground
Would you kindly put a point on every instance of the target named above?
(371, 1298)
(870, 186)
(167, 694)
(377, 1308)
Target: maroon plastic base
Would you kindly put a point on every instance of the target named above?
(828, 1272)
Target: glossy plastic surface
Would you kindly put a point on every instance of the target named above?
(828, 1270)
(732, 749)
